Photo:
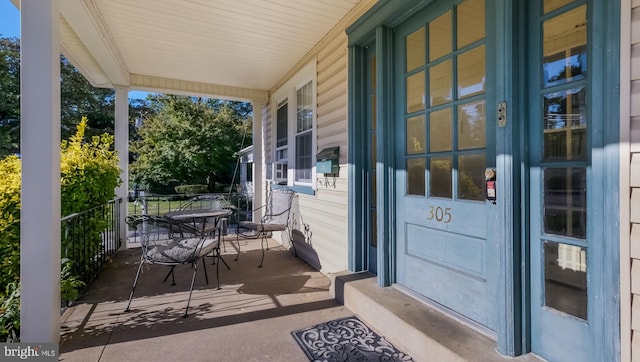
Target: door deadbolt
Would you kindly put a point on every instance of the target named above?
(502, 114)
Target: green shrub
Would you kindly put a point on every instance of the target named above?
(89, 171)
(191, 189)
(89, 175)
(69, 283)
(10, 313)
(10, 181)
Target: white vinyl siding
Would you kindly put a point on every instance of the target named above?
(321, 219)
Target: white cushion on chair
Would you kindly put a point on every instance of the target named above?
(262, 227)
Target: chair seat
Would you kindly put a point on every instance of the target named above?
(175, 251)
(208, 246)
(250, 225)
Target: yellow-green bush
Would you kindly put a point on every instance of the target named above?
(9, 221)
(89, 171)
(89, 174)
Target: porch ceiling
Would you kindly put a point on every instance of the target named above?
(204, 45)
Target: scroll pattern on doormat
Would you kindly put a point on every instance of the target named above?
(346, 339)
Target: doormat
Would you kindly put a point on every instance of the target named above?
(346, 339)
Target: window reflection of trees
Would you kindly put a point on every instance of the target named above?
(471, 126)
(560, 68)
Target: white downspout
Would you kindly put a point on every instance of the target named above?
(121, 130)
(258, 159)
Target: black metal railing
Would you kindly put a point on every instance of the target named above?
(90, 237)
(158, 205)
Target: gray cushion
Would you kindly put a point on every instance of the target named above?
(173, 251)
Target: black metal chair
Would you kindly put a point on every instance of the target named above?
(276, 218)
(160, 245)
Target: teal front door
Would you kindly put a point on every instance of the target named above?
(566, 176)
(444, 118)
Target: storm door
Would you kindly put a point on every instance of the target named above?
(444, 147)
(566, 226)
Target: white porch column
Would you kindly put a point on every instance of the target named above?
(40, 153)
(258, 159)
(122, 146)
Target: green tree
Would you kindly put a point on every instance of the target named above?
(78, 98)
(9, 96)
(188, 141)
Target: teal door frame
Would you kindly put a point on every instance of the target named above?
(508, 135)
(359, 158)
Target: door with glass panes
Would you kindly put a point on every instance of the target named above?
(444, 146)
(566, 226)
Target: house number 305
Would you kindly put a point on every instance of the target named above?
(439, 214)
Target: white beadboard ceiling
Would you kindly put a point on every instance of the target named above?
(245, 44)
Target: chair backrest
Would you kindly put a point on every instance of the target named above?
(166, 243)
(278, 206)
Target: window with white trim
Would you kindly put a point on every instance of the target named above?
(294, 129)
(282, 141)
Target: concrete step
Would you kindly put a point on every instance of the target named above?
(414, 327)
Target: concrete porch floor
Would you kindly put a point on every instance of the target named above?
(253, 314)
(249, 319)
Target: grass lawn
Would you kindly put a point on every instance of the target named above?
(162, 205)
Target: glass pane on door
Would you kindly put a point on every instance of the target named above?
(415, 92)
(440, 170)
(470, 22)
(472, 126)
(415, 135)
(416, 49)
(440, 36)
(441, 130)
(471, 176)
(471, 73)
(416, 176)
(565, 278)
(565, 125)
(565, 202)
(565, 51)
(441, 83)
